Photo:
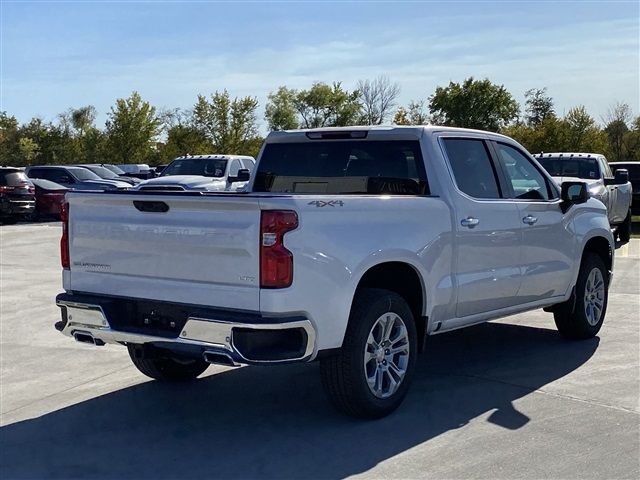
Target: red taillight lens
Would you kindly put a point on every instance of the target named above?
(6, 189)
(276, 262)
(64, 240)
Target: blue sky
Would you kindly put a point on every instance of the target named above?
(57, 55)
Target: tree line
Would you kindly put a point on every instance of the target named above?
(137, 132)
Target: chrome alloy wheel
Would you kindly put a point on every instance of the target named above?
(386, 355)
(594, 296)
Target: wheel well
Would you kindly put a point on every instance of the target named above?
(404, 280)
(600, 246)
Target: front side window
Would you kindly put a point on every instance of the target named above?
(234, 168)
(606, 170)
(472, 168)
(84, 174)
(390, 167)
(526, 181)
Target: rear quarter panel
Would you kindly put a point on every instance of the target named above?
(334, 246)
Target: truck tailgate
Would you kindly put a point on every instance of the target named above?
(203, 250)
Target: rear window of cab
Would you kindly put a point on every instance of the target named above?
(390, 167)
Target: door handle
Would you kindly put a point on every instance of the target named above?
(530, 219)
(469, 222)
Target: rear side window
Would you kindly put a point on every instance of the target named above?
(343, 167)
(472, 168)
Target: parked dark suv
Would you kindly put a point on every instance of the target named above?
(75, 178)
(17, 195)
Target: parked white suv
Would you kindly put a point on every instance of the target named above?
(350, 247)
(208, 173)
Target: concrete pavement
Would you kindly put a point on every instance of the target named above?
(508, 399)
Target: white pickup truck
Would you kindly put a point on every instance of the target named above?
(350, 246)
(614, 190)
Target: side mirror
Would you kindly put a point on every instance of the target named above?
(621, 176)
(573, 193)
(243, 176)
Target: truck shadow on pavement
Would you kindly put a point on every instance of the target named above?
(275, 422)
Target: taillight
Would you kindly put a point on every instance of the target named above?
(276, 262)
(6, 189)
(64, 240)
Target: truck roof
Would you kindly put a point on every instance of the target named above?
(371, 131)
(215, 156)
(568, 155)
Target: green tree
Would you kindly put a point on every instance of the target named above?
(538, 106)
(473, 104)
(327, 106)
(413, 114)
(28, 151)
(581, 133)
(9, 139)
(183, 140)
(228, 124)
(280, 111)
(132, 127)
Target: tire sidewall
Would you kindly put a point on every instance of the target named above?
(589, 264)
(362, 325)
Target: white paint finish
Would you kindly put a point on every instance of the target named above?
(205, 250)
(200, 251)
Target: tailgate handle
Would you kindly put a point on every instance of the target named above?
(151, 206)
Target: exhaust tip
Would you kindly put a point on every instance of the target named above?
(83, 337)
(219, 358)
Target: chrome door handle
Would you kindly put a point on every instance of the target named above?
(530, 219)
(469, 222)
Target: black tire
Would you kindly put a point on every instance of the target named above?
(344, 374)
(165, 368)
(9, 221)
(571, 318)
(624, 230)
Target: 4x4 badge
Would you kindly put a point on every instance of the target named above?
(330, 203)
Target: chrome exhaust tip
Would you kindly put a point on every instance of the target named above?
(84, 337)
(219, 358)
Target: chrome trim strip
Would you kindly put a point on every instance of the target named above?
(205, 332)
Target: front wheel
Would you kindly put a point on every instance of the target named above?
(165, 368)
(370, 376)
(585, 319)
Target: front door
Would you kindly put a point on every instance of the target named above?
(487, 231)
(548, 244)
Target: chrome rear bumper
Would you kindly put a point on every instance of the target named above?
(88, 323)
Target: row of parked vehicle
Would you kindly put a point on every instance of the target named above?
(38, 191)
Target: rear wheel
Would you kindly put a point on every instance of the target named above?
(624, 230)
(165, 368)
(584, 317)
(370, 376)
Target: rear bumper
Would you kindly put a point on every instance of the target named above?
(17, 207)
(244, 337)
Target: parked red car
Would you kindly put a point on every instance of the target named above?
(49, 197)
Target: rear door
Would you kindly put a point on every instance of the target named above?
(487, 230)
(548, 244)
(189, 249)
